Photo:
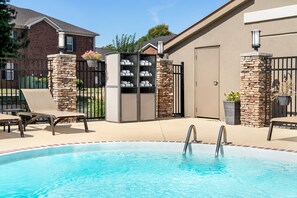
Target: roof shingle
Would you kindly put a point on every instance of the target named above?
(26, 17)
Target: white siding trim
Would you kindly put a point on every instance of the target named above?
(271, 14)
(50, 22)
(147, 46)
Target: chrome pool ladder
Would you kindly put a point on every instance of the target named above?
(219, 146)
(187, 142)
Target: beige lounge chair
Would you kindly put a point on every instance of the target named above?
(42, 105)
(285, 120)
(11, 118)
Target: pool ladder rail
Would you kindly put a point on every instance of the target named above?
(187, 142)
(219, 145)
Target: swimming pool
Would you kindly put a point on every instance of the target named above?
(147, 169)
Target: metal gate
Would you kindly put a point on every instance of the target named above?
(282, 68)
(90, 89)
(178, 90)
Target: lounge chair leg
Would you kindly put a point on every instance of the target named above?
(8, 126)
(52, 125)
(21, 128)
(58, 120)
(86, 125)
(270, 131)
(30, 121)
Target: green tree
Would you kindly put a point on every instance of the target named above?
(154, 32)
(125, 43)
(9, 42)
(157, 31)
(142, 39)
(109, 46)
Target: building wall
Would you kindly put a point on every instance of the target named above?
(44, 41)
(150, 50)
(82, 45)
(234, 37)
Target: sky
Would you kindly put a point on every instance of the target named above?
(116, 17)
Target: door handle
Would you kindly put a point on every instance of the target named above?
(215, 83)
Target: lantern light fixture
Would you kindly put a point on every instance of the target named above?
(61, 44)
(256, 39)
(160, 49)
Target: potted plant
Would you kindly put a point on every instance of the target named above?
(91, 57)
(283, 91)
(232, 108)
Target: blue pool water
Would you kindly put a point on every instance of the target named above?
(112, 171)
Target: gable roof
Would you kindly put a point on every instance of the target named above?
(154, 42)
(212, 17)
(27, 18)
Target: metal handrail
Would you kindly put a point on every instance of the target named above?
(222, 132)
(192, 127)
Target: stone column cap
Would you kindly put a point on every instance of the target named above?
(255, 53)
(61, 55)
(165, 61)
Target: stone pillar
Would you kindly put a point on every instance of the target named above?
(255, 88)
(164, 100)
(63, 83)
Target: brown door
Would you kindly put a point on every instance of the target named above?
(207, 84)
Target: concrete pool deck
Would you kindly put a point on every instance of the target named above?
(161, 130)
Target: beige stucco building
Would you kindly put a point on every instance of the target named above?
(211, 49)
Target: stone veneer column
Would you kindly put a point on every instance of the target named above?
(63, 82)
(255, 87)
(164, 100)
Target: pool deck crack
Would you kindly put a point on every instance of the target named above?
(162, 131)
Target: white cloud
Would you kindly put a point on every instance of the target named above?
(155, 11)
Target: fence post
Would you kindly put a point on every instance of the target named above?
(255, 88)
(164, 88)
(63, 82)
(182, 91)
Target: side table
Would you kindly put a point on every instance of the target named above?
(13, 112)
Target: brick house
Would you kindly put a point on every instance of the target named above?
(43, 34)
(151, 46)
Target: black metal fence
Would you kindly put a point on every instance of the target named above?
(16, 74)
(281, 69)
(178, 90)
(91, 89)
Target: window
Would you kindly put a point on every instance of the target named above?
(69, 44)
(13, 34)
(8, 73)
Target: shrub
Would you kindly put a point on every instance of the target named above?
(79, 83)
(284, 88)
(91, 55)
(232, 96)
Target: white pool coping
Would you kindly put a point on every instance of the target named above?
(149, 146)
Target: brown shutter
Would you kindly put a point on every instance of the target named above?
(74, 44)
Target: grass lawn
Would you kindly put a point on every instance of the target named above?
(9, 91)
